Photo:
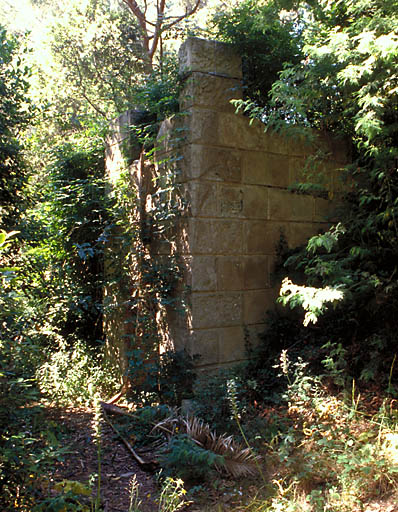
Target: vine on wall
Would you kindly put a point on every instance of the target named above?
(144, 272)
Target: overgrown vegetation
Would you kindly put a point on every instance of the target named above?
(316, 401)
(266, 39)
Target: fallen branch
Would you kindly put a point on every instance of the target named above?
(147, 465)
(114, 409)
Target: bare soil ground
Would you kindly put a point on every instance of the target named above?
(118, 467)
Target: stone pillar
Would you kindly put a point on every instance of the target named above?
(234, 178)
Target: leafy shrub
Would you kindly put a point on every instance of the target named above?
(187, 460)
(212, 400)
(16, 112)
(63, 261)
(169, 377)
(29, 443)
(265, 41)
(74, 373)
(334, 457)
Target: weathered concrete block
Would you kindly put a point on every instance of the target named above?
(231, 344)
(209, 57)
(115, 162)
(229, 273)
(234, 176)
(202, 126)
(215, 236)
(215, 164)
(260, 168)
(274, 142)
(262, 237)
(301, 146)
(296, 169)
(235, 131)
(255, 204)
(256, 304)
(204, 274)
(284, 205)
(171, 146)
(209, 91)
(216, 310)
(206, 344)
(202, 199)
(256, 272)
(119, 128)
(230, 202)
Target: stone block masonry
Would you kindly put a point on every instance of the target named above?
(234, 179)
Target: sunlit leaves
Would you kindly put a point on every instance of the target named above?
(15, 113)
(312, 300)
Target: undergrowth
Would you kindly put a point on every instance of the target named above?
(60, 375)
(331, 448)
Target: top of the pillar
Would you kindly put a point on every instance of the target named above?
(210, 57)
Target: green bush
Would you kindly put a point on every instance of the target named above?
(75, 373)
(264, 39)
(212, 400)
(187, 460)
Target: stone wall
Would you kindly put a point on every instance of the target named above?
(234, 177)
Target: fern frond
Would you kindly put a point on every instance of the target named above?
(236, 460)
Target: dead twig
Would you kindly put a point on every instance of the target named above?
(148, 465)
(109, 408)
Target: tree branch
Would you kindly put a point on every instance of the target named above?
(135, 8)
(151, 39)
(180, 18)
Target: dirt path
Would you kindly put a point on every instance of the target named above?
(118, 467)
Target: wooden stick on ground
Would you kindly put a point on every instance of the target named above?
(114, 409)
(146, 465)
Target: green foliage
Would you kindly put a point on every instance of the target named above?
(312, 300)
(157, 98)
(67, 231)
(159, 93)
(172, 497)
(97, 60)
(28, 446)
(74, 374)
(212, 398)
(141, 283)
(68, 500)
(176, 376)
(260, 373)
(346, 84)
(265, 40)
(16, 112)
(188, 460)
(335, 457)
(169, 378)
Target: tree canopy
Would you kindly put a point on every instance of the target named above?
(16, 110)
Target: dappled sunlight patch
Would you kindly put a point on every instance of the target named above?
(389, 447)
(312, 300)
